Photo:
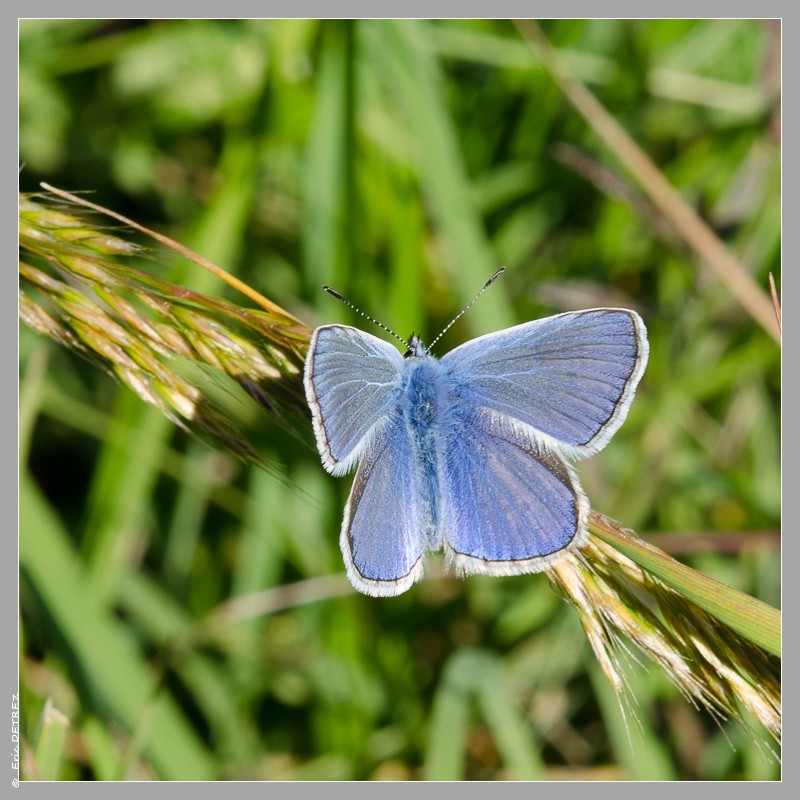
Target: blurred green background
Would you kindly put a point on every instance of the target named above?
(401, 162)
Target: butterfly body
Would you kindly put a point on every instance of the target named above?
(425, 407)
(467, 453)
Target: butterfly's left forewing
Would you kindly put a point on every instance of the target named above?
(352, 380)
(509, 504)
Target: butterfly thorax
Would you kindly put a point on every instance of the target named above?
(425, 393)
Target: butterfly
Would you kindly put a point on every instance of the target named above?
(469, 453)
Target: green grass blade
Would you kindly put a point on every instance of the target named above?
(259, 553)
(102, 657)
(748, 616)
(101, 749)
(474, 676)
(636, 743)
(49, 750)
(328, 166)
(166, 626)
(123, 484)
(449, 724)
(442, 172)
(510, 730)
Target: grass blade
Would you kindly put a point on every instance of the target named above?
(100, 654)
(749, 616)
(695, 230)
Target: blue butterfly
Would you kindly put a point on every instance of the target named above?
(468, 453)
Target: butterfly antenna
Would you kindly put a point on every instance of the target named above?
(366, 316)
(468, 307)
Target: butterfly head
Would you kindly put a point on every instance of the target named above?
(414, 347)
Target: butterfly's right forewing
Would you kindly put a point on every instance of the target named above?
(569, 379)
(352, 382)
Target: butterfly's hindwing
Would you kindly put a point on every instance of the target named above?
(382, 533)
(509, 504)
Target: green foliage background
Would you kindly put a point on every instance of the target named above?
(401, 162)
